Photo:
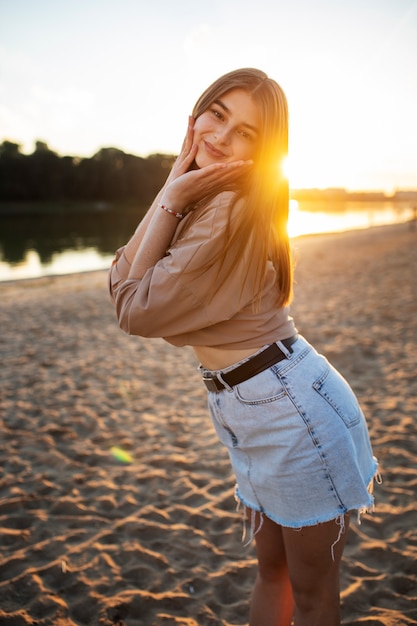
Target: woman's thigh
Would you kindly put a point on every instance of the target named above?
(270, 547)
(310, 553)
(313, 556)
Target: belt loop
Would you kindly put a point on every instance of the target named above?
(227, 386)
(287, 351)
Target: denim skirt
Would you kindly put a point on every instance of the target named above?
(297, 440)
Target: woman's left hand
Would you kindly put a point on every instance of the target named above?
(192, 186)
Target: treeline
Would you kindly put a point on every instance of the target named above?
(109, 176)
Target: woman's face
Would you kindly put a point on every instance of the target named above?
(228, 130)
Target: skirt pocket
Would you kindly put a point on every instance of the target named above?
(337, 392)
(261, 389)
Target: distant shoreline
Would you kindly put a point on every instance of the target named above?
(51, 277)
(65, 207)
(329, 200)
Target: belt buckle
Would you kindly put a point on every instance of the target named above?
(212, 384)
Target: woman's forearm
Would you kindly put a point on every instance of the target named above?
(153, 243)
(181, 165)
(136, 239)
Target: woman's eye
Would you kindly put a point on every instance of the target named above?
(217, 114)
(245, 135)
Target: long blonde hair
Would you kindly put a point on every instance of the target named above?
(264, 216)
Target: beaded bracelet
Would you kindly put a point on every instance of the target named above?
(170, 211)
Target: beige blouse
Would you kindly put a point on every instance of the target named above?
(176, 300)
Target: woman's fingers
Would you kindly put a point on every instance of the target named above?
(223, 172)
(185, 187)
(187, 154)
(190, 155)
(187, 144)
(221, 177)
(194, 185)
(188, 139)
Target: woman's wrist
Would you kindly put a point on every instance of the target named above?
(172, 212)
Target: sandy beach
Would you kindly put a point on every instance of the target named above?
(147, 533)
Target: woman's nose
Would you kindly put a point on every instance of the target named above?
(223, 135)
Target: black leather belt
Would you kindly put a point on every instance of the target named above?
(255, 365)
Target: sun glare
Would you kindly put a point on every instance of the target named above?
(302, 173)
(286, 167)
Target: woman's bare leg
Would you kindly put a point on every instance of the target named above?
(313, 573)
(272, 600)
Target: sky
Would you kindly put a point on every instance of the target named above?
(81, 75)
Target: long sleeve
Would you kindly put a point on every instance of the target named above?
(179, 302)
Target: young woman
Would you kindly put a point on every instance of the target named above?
(210, 266)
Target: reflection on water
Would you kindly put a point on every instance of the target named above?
(40, 245)
(307, 219)
(67, 262)
(33, 246)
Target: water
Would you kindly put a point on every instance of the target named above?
(309, 218)
(47, 244)
(42, 245)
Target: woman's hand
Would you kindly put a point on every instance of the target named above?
(186, 156)
(184, 187)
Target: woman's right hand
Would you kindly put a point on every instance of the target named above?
(186, 156)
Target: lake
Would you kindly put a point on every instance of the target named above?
(48, 244)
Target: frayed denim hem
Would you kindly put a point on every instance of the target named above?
(250, 510)
(376, 478)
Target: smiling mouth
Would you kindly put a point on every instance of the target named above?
(212, 151)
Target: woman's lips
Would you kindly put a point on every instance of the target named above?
(212, 151)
